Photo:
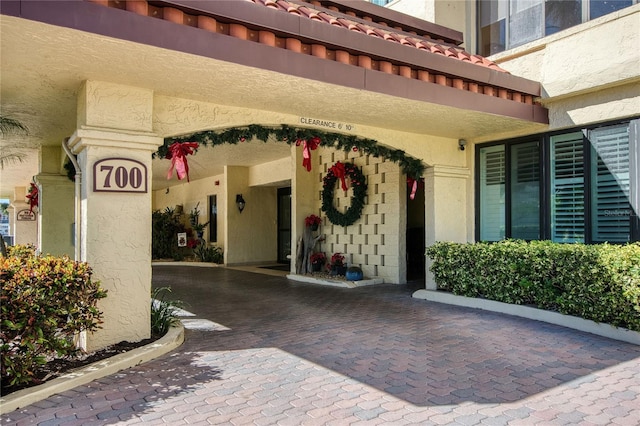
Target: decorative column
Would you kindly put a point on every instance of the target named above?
(445, 208)
(114, 145)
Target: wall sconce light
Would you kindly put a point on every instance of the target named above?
(462, 143)
(240, 202)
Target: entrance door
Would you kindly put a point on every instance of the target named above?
(284, 225)
(415, 236)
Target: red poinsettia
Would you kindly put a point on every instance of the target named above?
(318, 257)
(312, 220)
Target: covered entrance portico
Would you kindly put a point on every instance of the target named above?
(167, 69)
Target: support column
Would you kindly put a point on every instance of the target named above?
(304, 197)
(445, 208)
(25, 224)
(113, 145)
(56, 206)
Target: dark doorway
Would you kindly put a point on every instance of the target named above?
(284, 225)
(415, 235)
(213, 218)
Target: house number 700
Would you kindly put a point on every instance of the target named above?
(119, 175)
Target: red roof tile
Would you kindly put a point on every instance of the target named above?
(365, 47)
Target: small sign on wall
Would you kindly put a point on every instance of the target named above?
(182, 239)
(119, 175)
(26, 215)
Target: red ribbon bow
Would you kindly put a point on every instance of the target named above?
(32, 196)
(178, 152)
(340, 172)
(307, 147)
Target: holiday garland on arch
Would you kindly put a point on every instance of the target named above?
(309, 138)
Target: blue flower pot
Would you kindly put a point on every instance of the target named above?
(354, 274)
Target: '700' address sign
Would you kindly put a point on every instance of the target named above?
(119, 175)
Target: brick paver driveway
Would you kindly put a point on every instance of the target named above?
(292, 353)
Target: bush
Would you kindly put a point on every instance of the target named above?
(46, 301)
(207, 253)
(163, 312)
(165, 227)
(596, 282)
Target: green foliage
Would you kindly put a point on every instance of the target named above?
(596, 282)
(163, 312)
(410, 166)
(165, 227)
(46, 301)
(359, 185)
(207, 253)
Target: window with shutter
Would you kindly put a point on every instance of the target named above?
(610, 189)
(567, 188)
(492, 191)
(525, 191)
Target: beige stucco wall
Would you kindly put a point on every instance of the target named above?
(384, 254)
(589, 73)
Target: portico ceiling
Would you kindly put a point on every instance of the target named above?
(43, 67)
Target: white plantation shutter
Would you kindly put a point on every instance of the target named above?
(610, 190)
(492, 192)
(567, 188)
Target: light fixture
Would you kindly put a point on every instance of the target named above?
(240, 202)
(461, 144)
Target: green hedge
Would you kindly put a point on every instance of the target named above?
(45, 301)
(596, 282)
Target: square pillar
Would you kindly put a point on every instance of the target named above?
(56, 215)
(445, 209)
(115, 228)
(24, 221)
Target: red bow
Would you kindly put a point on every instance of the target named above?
(32, 196)
(413, 183)
(340, 172)
(307, 147)
(177, 153)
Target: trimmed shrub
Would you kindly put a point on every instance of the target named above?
(46, 301)
(597, 282)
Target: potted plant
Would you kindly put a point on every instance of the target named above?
(312, 221)
(199, 228)
(194, 215)
(317, 260)
(336, 265)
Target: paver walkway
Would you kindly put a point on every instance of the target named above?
(301, 354)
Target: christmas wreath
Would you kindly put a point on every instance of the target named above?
(342, 171)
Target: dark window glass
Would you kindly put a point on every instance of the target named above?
(560, 15)
(598, 8)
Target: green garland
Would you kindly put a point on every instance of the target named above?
(359, 186)
(410, 166)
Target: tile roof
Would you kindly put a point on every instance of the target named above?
(347, 35)
(365, 24)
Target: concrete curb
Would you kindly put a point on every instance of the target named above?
(604, 330)
(335, 283)
(24, 397)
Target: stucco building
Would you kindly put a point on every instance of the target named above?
(505, 146)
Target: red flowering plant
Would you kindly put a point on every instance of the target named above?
(312, 220)
(318, 257)
(337, 259)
